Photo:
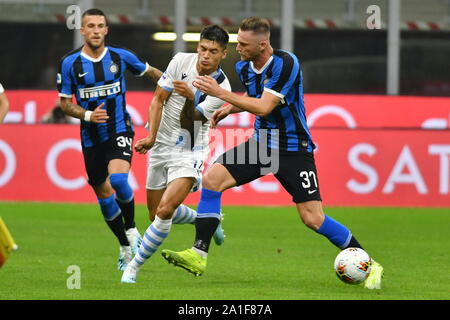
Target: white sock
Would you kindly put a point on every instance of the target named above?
(183, 214)
(200, 252)
(152, 239)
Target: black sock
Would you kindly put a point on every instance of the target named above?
(118, 229)
(127, 209)
(353, 244)
(204, 230)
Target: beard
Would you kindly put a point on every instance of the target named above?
(248, 57)
(95, 46)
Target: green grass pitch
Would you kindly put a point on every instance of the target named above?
(268, 254)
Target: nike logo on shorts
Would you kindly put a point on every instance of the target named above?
(126, 154)
(311, 191)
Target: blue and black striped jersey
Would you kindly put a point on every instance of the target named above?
(282, 77)
(94, 81)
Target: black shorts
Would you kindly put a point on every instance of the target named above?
(97, 158)
(296, 171)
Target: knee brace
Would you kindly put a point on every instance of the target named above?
(119, 182)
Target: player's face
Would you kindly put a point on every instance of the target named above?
(250, 45)
(210, 53)
(94, 30)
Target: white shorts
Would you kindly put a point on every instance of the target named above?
(169, 163)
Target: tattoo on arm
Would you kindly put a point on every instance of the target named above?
(72, 109)
(154, 73)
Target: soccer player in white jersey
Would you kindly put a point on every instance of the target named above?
(4, 104)
(179, 121)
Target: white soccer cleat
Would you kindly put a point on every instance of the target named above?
(129, 275)
(134, 238)
(125, 256)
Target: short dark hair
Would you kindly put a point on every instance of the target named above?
(215, 33)
(94, 12)
(256, 24)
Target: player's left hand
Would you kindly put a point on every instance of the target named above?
(182, 88)
(208, 85)
(142, 146)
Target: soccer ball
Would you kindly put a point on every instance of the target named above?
(352, 265)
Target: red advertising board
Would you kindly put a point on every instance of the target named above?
(350, 111)
(359, 167)
(372, 151)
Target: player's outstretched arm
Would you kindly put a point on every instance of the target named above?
(99, 115)
(224, 112)
(258, 106)
(4, 106)
(154, 119)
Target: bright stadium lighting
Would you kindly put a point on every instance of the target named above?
(164, 36)
(188, 36)
(191, 37)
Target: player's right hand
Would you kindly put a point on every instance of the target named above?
(218, 115)
(142, 146)
(99, 115)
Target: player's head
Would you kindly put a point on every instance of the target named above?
(253, 38)
(212, 47)
(94, 27)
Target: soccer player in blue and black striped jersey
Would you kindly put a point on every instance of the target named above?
(94, 73)
(274, 93)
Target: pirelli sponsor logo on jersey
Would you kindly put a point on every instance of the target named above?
(100, 91)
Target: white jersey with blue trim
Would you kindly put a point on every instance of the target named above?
(183, 67)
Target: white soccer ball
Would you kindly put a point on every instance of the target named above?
(352, 265)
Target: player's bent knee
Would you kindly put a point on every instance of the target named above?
(119, 182)
(165, 211)
(103, 190)
(218, 179)
(210, 184)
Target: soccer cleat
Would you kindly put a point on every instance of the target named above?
(125, 257)
(129, 275)
(187, 259)
(219, 236)
(134, 238)
(373, 281)
(7, 244)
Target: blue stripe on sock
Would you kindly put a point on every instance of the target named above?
(158, 233)
(336, 232)
(208, 215)
(177, 215)
(187, 216)
(143, 256)
(154, 241)
(138, 259)
(148, 249)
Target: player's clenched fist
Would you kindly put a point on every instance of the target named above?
(143, 145)
(183, 89)
(99, 115)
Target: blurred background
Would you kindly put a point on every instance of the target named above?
(339, 54)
